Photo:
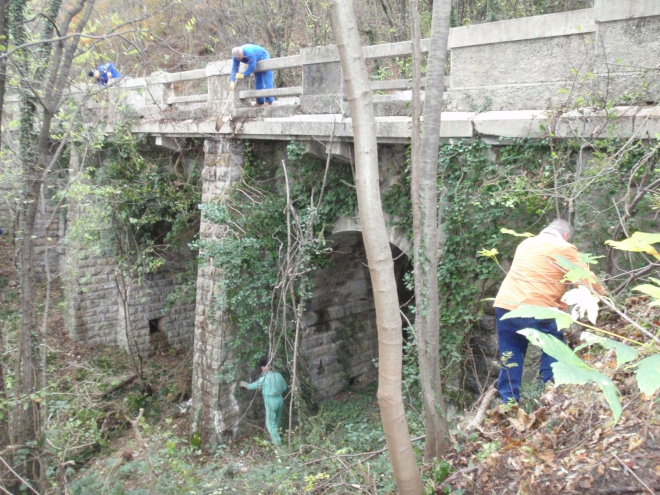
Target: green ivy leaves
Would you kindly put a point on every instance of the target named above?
(648, 374)
(562, 319)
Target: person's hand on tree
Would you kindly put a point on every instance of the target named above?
(243, 384)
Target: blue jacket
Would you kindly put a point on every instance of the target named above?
(251, 55)
(106, 69)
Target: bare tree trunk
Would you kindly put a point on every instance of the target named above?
(424, 178)
(4, 20)
(5, 475)
(377, 246)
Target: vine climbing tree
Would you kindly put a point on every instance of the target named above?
(43, 72)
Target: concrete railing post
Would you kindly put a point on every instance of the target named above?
(157, 92)
(217, 77)
(323, 84)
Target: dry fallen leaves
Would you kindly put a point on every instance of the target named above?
(523, 421)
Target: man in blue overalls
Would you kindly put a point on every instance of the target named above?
(250, 55)
(272, 386)
(104, 74)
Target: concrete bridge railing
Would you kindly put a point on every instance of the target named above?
(609, 52)
(514, 78)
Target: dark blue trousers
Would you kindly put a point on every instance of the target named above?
(264, 80)
(508, 383)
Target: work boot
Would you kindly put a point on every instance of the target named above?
(267, 104)
(257, 104)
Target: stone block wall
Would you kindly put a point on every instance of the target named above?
(154, 329)
(92, 302)
(94, 312)
(340, 339)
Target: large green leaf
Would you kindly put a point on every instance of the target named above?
(651, 290)
(639, 242)
(574, 272)
(624, 353)
(540, 313)
(648, 374)
(553, 347)
(570, 369)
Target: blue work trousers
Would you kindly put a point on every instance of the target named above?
(264, 80)
(508, 383)
(274, 405)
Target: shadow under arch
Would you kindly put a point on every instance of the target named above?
(340, 337)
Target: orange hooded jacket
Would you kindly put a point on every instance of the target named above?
(534, 277)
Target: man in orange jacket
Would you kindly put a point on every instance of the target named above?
(535, 279)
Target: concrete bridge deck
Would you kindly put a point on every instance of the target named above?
(621, 122)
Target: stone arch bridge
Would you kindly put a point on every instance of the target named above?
(522, 78)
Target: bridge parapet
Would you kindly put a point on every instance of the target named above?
(502, 73)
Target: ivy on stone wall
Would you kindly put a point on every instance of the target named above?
(482, 188)
(519, 185)
(252, 251)
(151, 193)
(139, 202)
(483, 191)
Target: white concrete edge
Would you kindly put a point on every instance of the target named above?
(189, 75)
(640, 122)
(352, 224)
(525, 28)
(613, 10)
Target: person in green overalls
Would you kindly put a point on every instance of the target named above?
(272, 387)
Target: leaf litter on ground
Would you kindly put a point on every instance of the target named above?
(566, 441)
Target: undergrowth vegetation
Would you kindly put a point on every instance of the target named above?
(338, 444)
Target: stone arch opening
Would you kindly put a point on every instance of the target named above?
(340, 338)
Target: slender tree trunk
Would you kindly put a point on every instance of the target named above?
(4, 24)
(377, 246)
(4, 424)
(5, 476)
(37, 161)
(424, 171)
(26, 419)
